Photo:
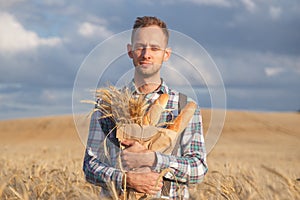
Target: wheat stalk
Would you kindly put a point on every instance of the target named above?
(120, 105)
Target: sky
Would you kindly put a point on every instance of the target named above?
(254, 44)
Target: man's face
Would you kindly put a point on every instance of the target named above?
(148, 50)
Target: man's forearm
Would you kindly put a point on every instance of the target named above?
(136, 155)
(151, 158)
(100, 174)
(184, 169)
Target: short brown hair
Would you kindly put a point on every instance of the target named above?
(147, 21)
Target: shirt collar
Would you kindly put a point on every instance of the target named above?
(163, 88)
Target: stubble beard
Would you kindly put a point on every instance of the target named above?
(149, 71)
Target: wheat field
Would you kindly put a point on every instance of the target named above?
(256, 157)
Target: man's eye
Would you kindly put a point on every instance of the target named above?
(139, 48)
(155, 48)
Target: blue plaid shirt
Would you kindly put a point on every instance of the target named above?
(187, 167)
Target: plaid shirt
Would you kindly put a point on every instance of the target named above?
(187, 167)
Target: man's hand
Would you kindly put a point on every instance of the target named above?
(146, 182)
(136, 155)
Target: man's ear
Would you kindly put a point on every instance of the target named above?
(167, 54)
(129, 50)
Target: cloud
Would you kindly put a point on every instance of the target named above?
(49, 40)
(273, 71)
(260, 81)
(263, 99)
(259, 70)
(88, 29)
(7, 4)
(275, 12)
(222, 3)
(191, 68)
(54, 2)
(219, 3)
(249, 5)
(25, 102)
(15, 38)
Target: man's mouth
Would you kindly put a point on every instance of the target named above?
(145, 63)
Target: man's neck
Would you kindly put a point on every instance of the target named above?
(148, 88)
(147, 85)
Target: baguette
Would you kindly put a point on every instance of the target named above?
(182, 120)
(153, 115)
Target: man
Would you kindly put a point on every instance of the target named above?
(148, 50)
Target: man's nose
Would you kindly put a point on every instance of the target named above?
(147, 52)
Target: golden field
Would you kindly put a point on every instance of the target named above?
(256, 157)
